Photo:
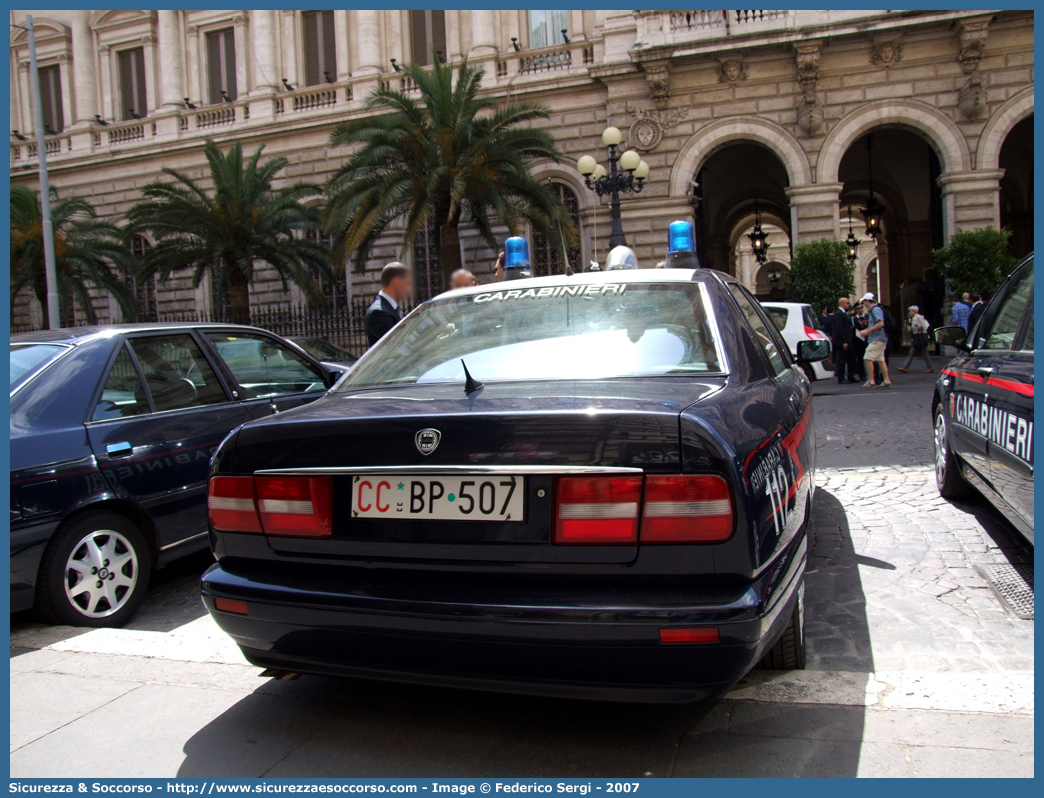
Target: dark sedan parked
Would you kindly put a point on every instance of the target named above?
(592, 485)
(983, 404)
(112, 429)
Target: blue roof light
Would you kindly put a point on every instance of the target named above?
(680, 237)
(516, 253)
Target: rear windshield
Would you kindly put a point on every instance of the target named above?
(810, 321)
(779, 317)
(557, 332)
(29, 358)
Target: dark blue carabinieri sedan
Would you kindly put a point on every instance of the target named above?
(595, 485)
(112, 429)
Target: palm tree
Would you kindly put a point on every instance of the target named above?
(448, 155)
(223, 233)
(88, 252)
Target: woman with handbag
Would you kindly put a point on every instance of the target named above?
(918, 325)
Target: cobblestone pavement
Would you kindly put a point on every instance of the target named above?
(915, 668)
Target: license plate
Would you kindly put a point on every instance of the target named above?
(457, 498)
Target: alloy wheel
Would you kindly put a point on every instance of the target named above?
(101, 573)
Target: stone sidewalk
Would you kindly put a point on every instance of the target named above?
(915, 669)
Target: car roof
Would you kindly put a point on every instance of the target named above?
(785, 305)
(77, 335)
(616, 276)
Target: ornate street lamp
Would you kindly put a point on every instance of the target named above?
(851, 242)
(758, 244)
(872, 211)
(614, 182)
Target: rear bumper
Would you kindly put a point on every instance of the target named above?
(583, 648)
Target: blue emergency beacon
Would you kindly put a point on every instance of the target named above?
(516, 259)
(681, 246)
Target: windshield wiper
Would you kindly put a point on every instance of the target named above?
(470, 383)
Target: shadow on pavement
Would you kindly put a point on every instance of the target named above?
(338, 727)
(172, 601)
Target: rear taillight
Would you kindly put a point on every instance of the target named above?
(814, 334)
(598, 509)
(230, 504)
(297, 506)
(686, 509)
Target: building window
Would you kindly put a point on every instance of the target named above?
(546, 257)
(320, 47)
(144, 289)
(428, 32)
(336, 291)
(426, 269)
(132, 84)
(221, 66)
(51, 99)
(545, 27)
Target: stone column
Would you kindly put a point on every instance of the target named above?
(395, 38)
(105, 56)
(194, 88)
(171, 86)
(148, 44)
(814, 211)
(483, 33)
(452, 35)
(265, 51)
(83, 68)
(242, 46)
(290, 47)
(368, 42)
(344, 58)
(16, 104)
(25, 91)
(67, 100)
(971, 200)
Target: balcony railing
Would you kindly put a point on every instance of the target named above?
(573, 57)
(658, 28)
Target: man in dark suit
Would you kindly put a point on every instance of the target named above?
(385, 312)
(843, 334)
(978, 306)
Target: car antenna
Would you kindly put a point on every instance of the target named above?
(470, 383)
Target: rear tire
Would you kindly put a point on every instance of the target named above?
(947, 470)
(95, 572)
(789, 652)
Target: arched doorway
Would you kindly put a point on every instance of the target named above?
(768, 284)
(901, 169)
(1016, 194)
(545, 256)
(737, 181)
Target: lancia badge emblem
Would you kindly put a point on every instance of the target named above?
(427, 440)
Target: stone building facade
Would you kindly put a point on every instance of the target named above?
(797, 115)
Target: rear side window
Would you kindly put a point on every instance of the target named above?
(765, 337)
(123, 394)
(29, 358)
(265, 368)
(1001, 322)
(779, 317)
(177, 374)
(810, 320)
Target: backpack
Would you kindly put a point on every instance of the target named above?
(890, 325)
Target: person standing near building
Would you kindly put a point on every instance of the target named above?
(385, 312)
(843, 335)
(877, 340)
(960, 313)
(978, 306)
(918, 325)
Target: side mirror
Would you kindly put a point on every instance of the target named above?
(953, 335)
(813, 351)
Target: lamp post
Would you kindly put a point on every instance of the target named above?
(852, 255)
(872, 211)
(758, 243)
(628, 177)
